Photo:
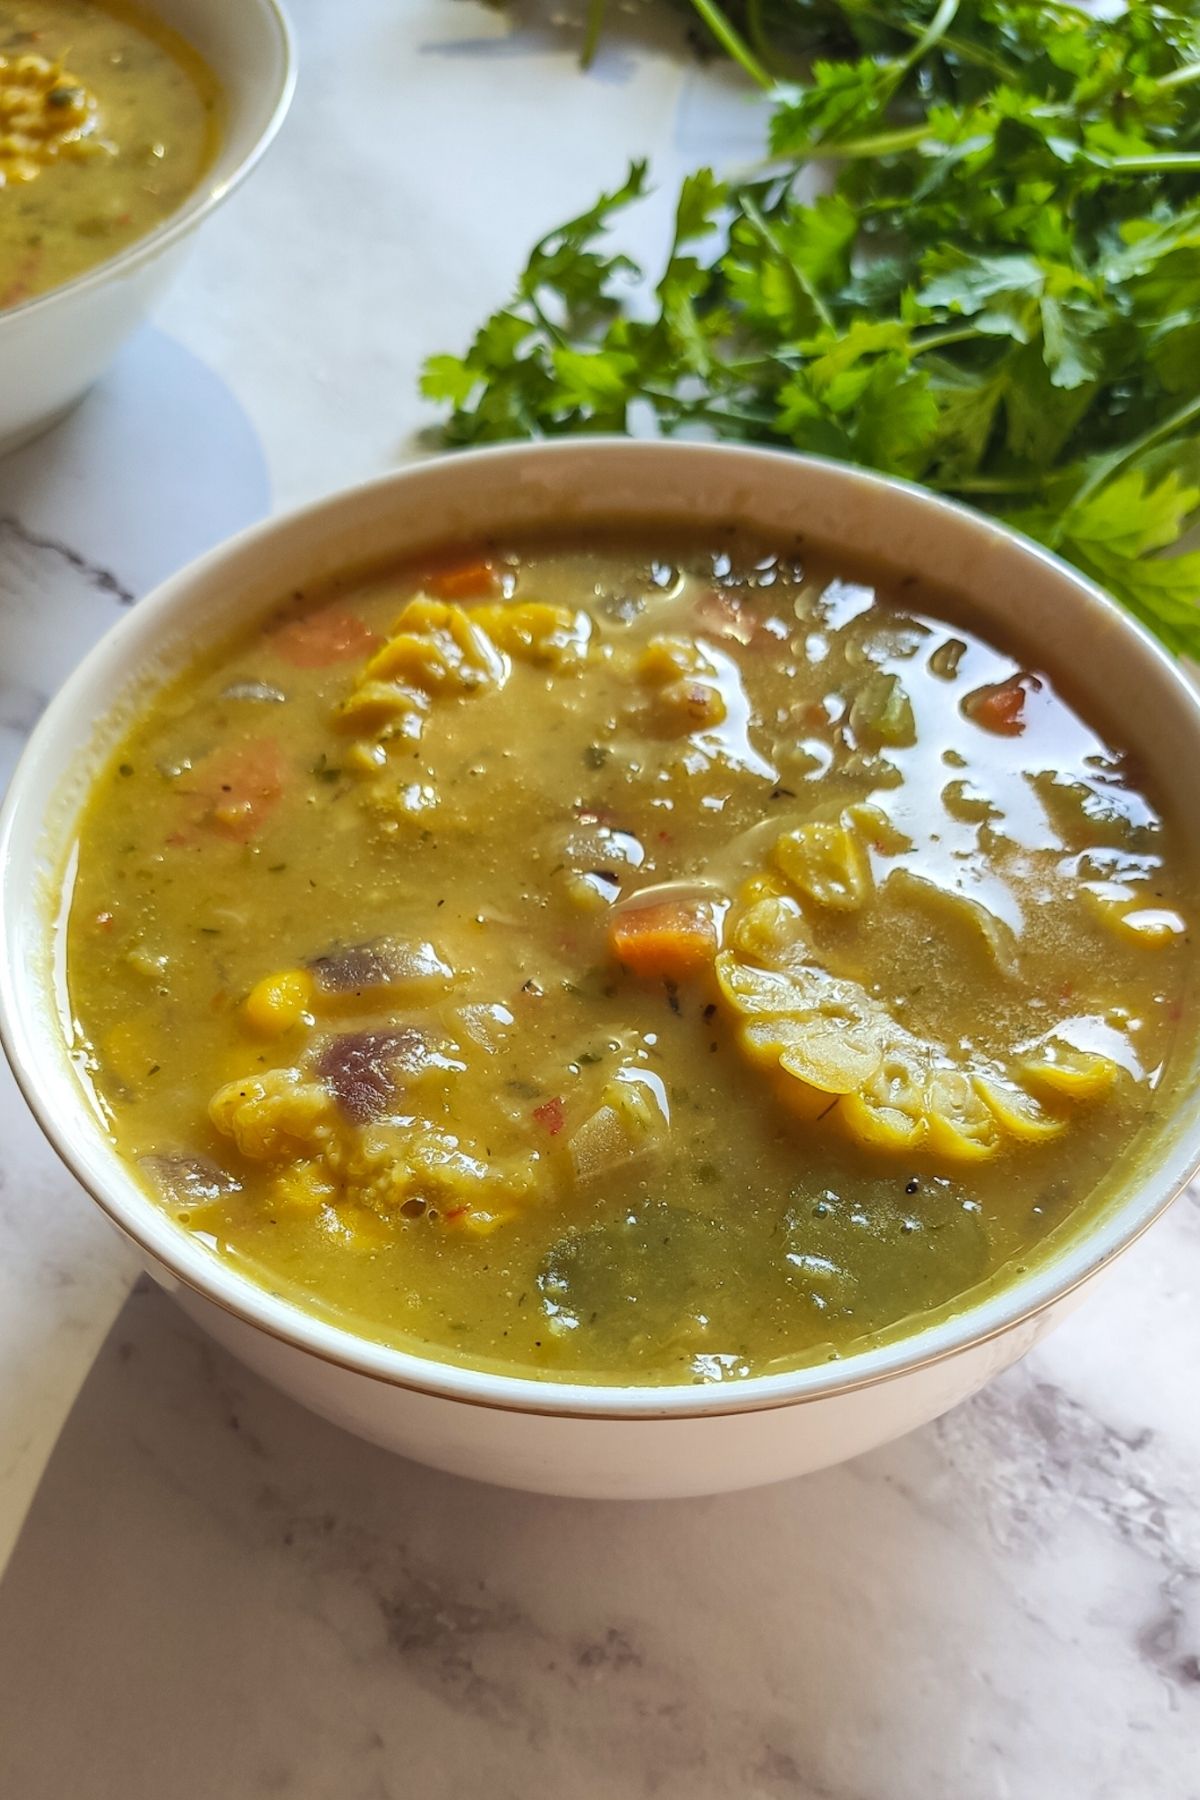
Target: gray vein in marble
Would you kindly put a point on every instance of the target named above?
(20, 707)
(1124, 1481)
(103, 580)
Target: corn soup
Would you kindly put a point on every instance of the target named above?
(627, 960)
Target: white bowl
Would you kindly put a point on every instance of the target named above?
(53, 347)
(554, 1436)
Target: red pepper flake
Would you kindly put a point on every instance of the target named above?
(103, 921)
(550, 1115)
(455, 1212)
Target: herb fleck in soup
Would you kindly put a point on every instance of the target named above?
(627, 960)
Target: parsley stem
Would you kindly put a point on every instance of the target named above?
(941, 340)
(548, 326)
(759, 418)
(932, 36)
(793, 273)
(899, 69)
(756, 32)
(1180, 77)
(593, 26)
(731, 41)
(1166, 163)
(993, 484)
(888, 143)
(1108, 466)
(960, 47)
(881, 143)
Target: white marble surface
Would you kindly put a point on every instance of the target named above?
(215, 1594)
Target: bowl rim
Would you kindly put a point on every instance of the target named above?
(204, 198)
(1174, 1162)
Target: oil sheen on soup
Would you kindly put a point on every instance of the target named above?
(107, 123)
(631, 960)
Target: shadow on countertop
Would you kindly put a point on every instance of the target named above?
(156, 465)
(218, 1595)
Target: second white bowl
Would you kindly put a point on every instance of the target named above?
(53, 347)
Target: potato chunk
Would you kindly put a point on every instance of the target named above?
(272, 1116)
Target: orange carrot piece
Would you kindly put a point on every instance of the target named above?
(1001, 707)
(236, 790)
(666, 940)
(331, 635)
(478, 579)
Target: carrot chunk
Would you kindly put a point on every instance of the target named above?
(331, 635)
(665, 940)
(1001, 707)
(235, 790)
(478, 579)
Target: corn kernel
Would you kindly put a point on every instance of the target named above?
(303, 1188)
(478, 1221)
(278, 1002)
(1058, 1067)
(668, 659)
(826, 863)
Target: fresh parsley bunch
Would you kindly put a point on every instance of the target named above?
(999, 296)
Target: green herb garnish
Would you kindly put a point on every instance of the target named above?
(999, 297)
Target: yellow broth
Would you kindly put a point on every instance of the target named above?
(633, 960)
(108, 121)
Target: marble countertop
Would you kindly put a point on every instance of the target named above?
(213, 1593)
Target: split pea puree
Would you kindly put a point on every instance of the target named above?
(108, 121)
(627, 958)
